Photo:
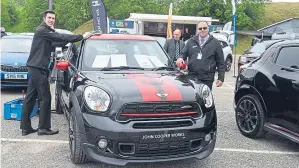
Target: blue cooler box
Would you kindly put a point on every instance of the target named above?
(13, 109)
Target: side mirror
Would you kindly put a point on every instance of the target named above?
(62, 65)
(246, 51)
(58, 52)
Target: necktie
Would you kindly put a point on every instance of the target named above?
(177, 51)
(202, 41)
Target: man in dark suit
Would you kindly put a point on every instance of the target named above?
(174, 46)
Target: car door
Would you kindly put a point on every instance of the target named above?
(225, 48)
(286, 78)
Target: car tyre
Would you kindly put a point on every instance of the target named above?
(228, 64)
(77, 154)
(250, 116)
(58, 107)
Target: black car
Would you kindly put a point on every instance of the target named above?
(256, 51)
(127, 103)
(267, 93)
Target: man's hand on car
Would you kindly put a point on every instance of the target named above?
(180, 62)
(86, 34)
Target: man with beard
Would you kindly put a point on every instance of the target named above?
(38, 64)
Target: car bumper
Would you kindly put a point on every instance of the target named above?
(125, 144)
(14, 82)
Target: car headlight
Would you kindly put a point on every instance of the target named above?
(243, 59)
(96, 98)
(207, 96)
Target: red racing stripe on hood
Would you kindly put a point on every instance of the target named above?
(168, 87)
(148, 91)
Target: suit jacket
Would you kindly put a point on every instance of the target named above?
(169, 47)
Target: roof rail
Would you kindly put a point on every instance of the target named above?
(285, 36)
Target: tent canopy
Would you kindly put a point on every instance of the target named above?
(164, 18)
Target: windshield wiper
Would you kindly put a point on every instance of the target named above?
(162, 68)
(120, 68)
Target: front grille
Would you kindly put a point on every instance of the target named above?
(140, 111)
(162, 149)
(162, 124)
(8, 68)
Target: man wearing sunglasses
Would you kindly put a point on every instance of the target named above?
(204, 54)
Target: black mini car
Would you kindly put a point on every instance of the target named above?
(267, 93)
(127, 103)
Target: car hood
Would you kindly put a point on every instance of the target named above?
(11, 58)
(141, 87)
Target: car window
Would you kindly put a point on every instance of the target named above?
(258, 48)
(288, 57)
(16, 45)
(98, 54)
(223, 44)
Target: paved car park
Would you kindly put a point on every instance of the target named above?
(232, 149)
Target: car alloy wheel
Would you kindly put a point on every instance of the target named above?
(247, 116)
(228, 63)
(250, 116)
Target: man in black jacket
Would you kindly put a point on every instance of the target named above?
(204, 54)
(38, 64)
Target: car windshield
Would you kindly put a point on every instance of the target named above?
(161, 40)
(258, 48)
(100, 54)
(16, 45)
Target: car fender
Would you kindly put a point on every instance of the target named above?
(78, 116)
(246, 87)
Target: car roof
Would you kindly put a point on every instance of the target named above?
(286, 42)
(18, 36)
(122, 37)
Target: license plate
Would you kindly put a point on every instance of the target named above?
(163, 136)
(15, 76)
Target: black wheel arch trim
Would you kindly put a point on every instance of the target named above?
(78, 116)
(253, 90)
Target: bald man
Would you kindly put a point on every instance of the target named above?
(174, 46)
(205, 56)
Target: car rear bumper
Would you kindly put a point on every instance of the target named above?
(128, 144)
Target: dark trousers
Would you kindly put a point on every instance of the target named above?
(38, 87)
(209, 83)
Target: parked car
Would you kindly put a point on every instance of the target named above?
(228, 54)
(266, 93)
(259, 47)
(15, 51)
(126, 102)
(256, 51)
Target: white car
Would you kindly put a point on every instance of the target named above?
(227, 52)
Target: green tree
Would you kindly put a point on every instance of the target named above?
(31, 14)
(249, 12)
(9, 14)
(71, 14)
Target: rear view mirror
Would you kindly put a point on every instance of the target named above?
(62, 65)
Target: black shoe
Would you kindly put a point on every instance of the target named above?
(46, 132)
(29, 131)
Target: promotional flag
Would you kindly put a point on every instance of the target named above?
(169, 28)
(99, 15)
(234, 21)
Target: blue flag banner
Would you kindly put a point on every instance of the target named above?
(99, 15)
